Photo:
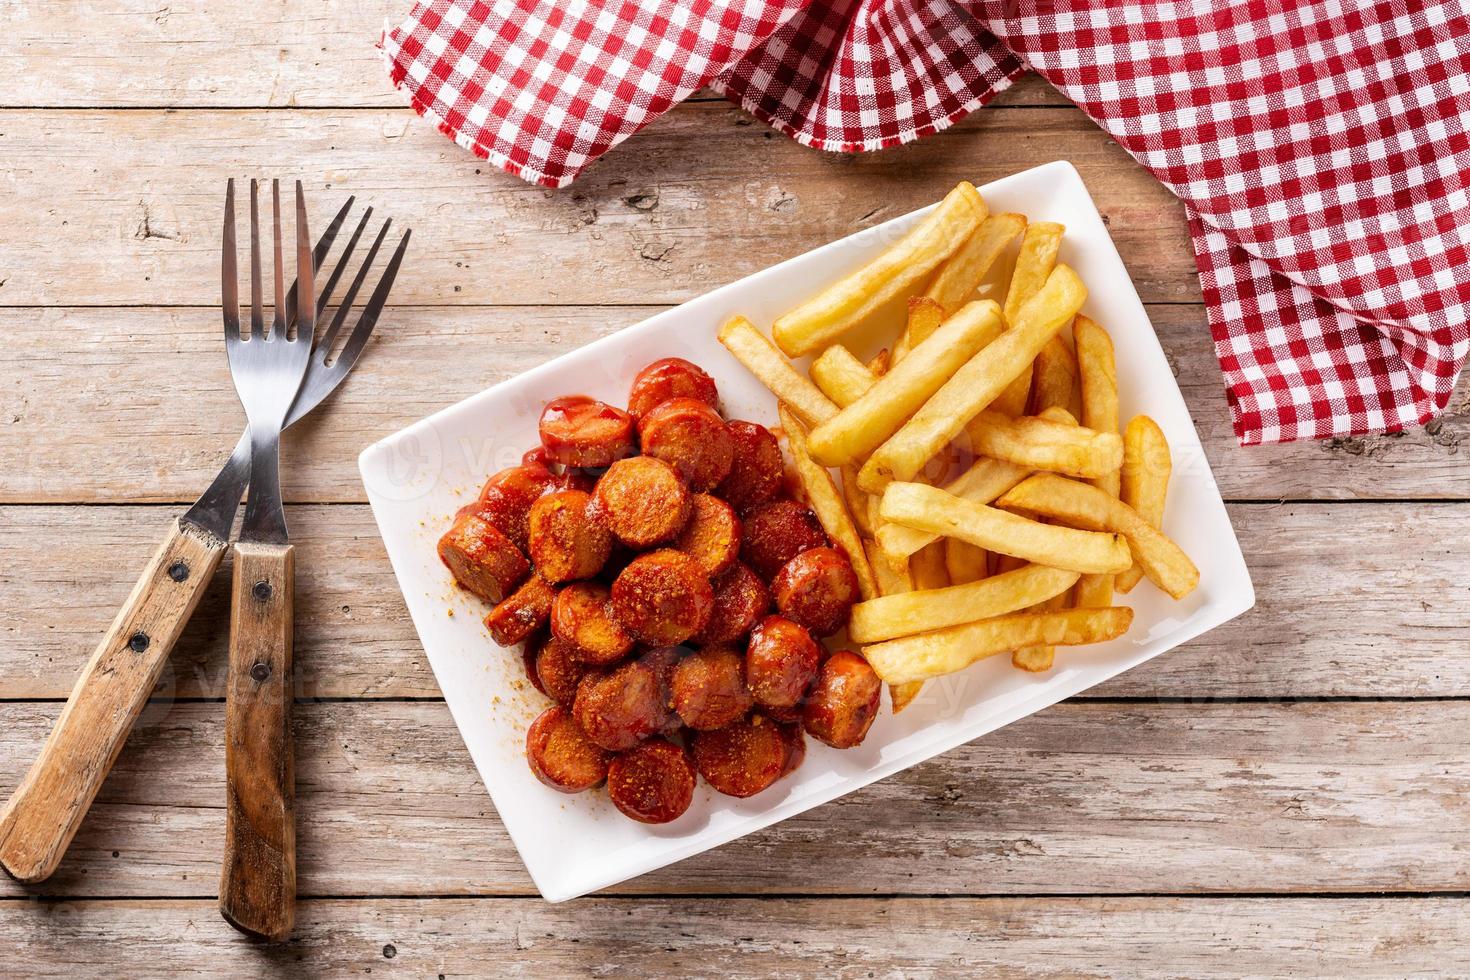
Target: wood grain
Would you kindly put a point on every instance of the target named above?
(1081, 798)
(257, 891)
(50, 802)
(1330, 621)
(844, 939)
(80, 423)
(706, 196)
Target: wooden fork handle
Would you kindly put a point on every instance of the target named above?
(257, 892)
(46, 808)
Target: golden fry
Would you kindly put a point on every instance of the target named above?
(1038, 256)
(825, 500)
(857, 501)
(844, 304)
(880, 363)
(975, 385)
(1165, 564)
(1042, 444)
(894, 579)
(1145, 480)
(945, 651)
(924, 611)
(955, 283)
(925, 316)
(1038, 659)
(1054, 382)
(928, 568)
(1095, 591)
(981, 483)
(931, 509)
(1099, 375)
(840, 376)
(862, 426)
(964, 561)
(761, 359)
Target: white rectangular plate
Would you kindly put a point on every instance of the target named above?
(572, 845)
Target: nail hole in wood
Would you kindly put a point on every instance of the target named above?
(261, 591)
(178, 571)
(138, 642)
(260, 671)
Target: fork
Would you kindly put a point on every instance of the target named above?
(47, 807)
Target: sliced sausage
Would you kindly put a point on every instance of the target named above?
(743, 758)
(621, 707)
(652, 782)
(581, 431)
(662, 598)
(567, 540)
(708, 689)
(482, 559)
(522, 612)
(780, 662)
(777, 532)
(642, 501)
(672, 377)
(581, 616)
(712, 535)
(529, 652)
(506, 498)
(692, 438)
(559, 670)
(756, 470)
(795, 745)
(816, 589)
(561, 755)
(790, 715)
(741, 599)
(843, 702)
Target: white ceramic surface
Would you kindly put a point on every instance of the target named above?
(573, 845)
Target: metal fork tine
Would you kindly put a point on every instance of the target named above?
(229, 279)
(319, 255)
(305, 273)
(367, 264)
(341, 267)
(257, 317)
(374, 308)
(278, 324)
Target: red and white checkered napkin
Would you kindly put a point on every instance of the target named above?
(1320, 147)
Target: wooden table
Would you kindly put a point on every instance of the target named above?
(1286, 794)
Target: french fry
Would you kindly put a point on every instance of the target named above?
(925, 316)
(928, 568)
(1042, 444)
(881, 410)
(840, 376)
(1094, 591)
(908, 613)
(926, 655)
(1085, 506)
(825, 500)
(1038, 256)
(1099, 375)
(902, 695)
(976, 385)
(880, 363)
(1054, 380)
(931, 509)
(964, 561)
(1145, 480)
(1039, 659)
(761, 359)
(1007, 563)
(961, 274)
(847, 302)
(981, 483)
(857, 501)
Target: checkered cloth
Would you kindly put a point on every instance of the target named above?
(1319, 146)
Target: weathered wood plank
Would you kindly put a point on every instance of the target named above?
(139, 53)
(700, 199)
(79, 422)
(738, 938)
(1387, 617)
(1082, 798)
